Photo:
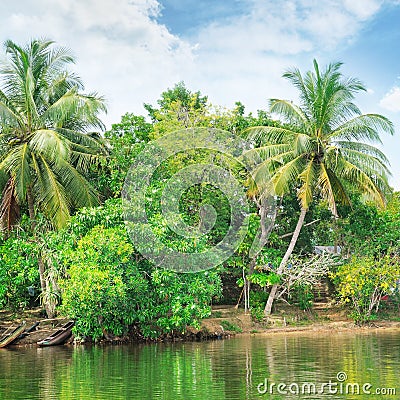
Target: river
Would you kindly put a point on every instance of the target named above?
(360, 364)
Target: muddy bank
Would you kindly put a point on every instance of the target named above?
(225, 322)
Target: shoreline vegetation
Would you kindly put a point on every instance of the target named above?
(147, 225)
(226, 321)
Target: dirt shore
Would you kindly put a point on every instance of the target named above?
(225, 321)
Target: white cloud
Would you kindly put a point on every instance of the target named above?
(125, 54)
(391, 100)
(243, 58)
(362, 9)
(122, 52)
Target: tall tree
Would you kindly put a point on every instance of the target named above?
(44, 124)
(46, 147)
(323, 147)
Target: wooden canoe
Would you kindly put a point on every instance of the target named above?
(28, 331)
(11, 334)
(59, 336)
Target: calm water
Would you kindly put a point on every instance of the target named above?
(240, 368)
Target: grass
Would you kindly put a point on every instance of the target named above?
(229, 326)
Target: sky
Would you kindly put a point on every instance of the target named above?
(131, 51)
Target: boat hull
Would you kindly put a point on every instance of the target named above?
(58, 337)
(10, 337)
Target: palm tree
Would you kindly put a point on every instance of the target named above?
(322, 147)
(45, 146)
(45, 149)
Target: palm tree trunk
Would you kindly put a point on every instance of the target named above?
(282, 265)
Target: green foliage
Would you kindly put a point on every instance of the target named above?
(109, 286)
(367, 230)
(18, 272)
(262, 279)
(364, 280)
(303, 295)
(258, 299)
(109, 215)
(229, 326)
(104, 290)
(126, 140)
(46, 151)
(179, 300)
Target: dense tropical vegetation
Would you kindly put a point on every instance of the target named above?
(64, 242)
(320, 150)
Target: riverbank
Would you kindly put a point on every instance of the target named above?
(224, 322)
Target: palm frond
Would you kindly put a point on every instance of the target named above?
(73, 106)
(83, 141)
(286, 176)
(16, 164)
(363, 148)
(80, 191)
(304, 144)
(50, 144)
(325, 182)
(363, 127)
(290, 112)
(371, 186)
(270, 134)
(308, 179)
(254, 157)
(368, 163)
(82, 161)
(51, 195)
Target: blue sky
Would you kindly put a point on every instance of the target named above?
(236, 50)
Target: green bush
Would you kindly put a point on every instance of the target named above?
(303, 295)
(258, 300)
(18, 272)
(104, 291)
(179, 300)
(363, 281)
(109, 287)
(229, 326)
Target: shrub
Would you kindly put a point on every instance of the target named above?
(363, 281)
(179, 300)
(229, 326)
(109, 287)
(19, 277)
(104, 289)
(303, 295)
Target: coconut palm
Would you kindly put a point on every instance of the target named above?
(323, 148)
(44, 146)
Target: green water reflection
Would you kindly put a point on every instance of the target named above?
(230, 369)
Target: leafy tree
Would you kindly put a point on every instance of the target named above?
(321, 150)
(180, 101)
(369, 231)
(104, 291)
(109, 287)
(126, 139)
